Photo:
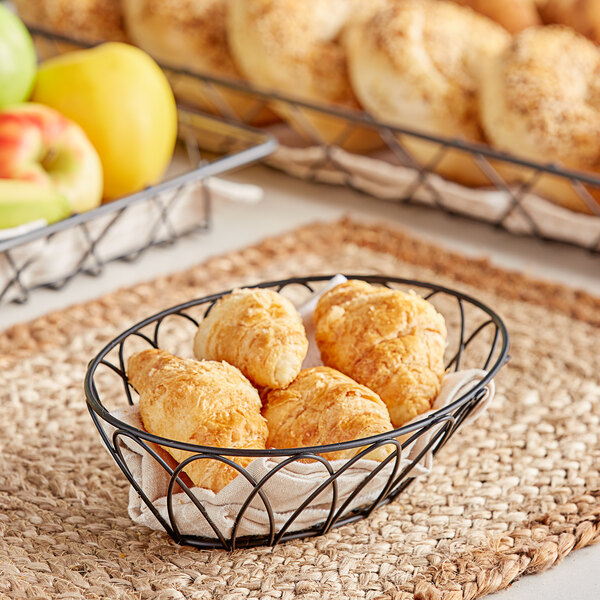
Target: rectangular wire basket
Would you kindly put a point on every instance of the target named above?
(392, 172)
(124, 229)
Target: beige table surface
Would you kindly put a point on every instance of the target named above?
(289, 203)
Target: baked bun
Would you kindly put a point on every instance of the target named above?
(259, 331)
(418, 64)
(323, 406)
(540, 100)
(191, 34)
(205, 403)
(513, 15)
(85, 20)
(581, 15)
(388, 340)
(284, 46)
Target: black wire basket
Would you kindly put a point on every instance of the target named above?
(477, 338)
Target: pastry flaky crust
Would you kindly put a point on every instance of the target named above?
(323, 406)
(205, 403)
(391, 341)
(258, 331)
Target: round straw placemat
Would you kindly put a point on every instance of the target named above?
(512, 494)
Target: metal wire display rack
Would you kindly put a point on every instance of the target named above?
(477, 339)
(394, 173)
(124, 229)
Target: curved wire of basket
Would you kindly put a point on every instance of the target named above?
(440, 425)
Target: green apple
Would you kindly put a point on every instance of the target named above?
(18, 62)
(23, 201)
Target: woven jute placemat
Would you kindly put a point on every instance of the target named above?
(512, 494)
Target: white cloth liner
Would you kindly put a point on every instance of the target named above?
(292, 483)
(11, 232)
(377, 176)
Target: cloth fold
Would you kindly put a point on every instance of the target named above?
(377, 176)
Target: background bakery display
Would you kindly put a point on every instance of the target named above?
(324, 56)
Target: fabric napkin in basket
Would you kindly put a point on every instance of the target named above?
(287, 489)
(378, 176)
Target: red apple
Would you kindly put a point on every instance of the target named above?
(39, 145)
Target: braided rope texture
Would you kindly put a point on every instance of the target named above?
(509, 495)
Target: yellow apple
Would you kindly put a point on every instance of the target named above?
(123, 102)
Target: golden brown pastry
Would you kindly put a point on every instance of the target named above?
(581, 15)
(540, 99)
(418, 64)
(205, 403)
(259, 331)
(392, 342)
(191, 34)
(284, 46)
(323, 406)
(513, 15)
(85, 20)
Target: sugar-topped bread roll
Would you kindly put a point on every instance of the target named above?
(392, 342)
(418, 64)
(191, 34)
(540, 100)
(205, 403)
(85, 20)
(323, 406)
(293, 48)
(259, 331)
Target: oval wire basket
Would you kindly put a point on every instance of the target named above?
(477, 336)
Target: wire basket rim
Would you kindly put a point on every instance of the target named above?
(95, 404)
